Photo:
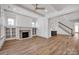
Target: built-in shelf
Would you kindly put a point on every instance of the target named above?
(16, 32)
(34, 31)
(10, 32)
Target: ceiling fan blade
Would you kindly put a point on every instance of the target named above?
(40, 8)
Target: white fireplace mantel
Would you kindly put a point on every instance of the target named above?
(23, 29)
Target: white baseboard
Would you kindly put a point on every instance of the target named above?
(42, 37)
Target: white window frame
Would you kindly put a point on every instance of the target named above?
(33, 24)
(76, 27)
(10, 21)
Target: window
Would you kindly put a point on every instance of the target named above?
(33, 24)
(10, 21)
(76, 27)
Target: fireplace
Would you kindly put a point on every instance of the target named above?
(25, 34)
(53, 33)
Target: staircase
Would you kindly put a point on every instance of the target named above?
(66, 28)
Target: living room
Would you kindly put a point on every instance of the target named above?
(32, 27)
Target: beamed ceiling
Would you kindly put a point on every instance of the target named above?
(49, 9)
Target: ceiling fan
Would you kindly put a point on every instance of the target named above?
(38, 8)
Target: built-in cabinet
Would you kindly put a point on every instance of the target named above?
(34, 31)
(13, 32)
(16, 32)
(10, 32)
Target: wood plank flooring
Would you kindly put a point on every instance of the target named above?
(56, 45)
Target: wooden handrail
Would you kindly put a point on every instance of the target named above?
(65, 29)
(65, 25)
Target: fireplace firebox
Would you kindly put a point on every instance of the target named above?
(25, 34)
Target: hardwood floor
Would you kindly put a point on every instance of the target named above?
(56, 45)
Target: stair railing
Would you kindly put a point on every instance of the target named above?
(67, 27)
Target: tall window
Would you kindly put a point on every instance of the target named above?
(76, 27)
(10, 21)
(33, 24)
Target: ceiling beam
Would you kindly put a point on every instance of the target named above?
(19, 13)
(66, 14)
(26, 8)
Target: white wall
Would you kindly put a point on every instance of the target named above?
(2, 37)
(0, 17)
(42, 27)
(52, 24)
(66, 19)
(23, 21)
(9, 15)
(19, 20)
(34, 21)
